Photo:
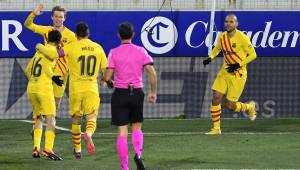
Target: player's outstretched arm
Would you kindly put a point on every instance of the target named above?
(49, 53)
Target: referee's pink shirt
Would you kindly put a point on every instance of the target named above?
(128, 61)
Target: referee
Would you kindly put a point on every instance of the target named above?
(127, 63)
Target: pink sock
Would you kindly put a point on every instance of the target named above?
(137, 141)
(122, 149)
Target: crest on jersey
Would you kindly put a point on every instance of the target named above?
(233, 45)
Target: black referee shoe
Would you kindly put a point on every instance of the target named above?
(139, 162)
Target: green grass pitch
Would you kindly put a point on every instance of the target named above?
(168, 144)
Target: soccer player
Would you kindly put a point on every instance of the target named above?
(85, 59)
(40, 74)
(230, 81)
(127, 63)
(58, 17)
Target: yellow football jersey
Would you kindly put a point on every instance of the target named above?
(67, 37)
(85, 58)
(39, 72)
(236, 49)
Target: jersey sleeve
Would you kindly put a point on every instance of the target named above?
(34, 27)
(49, 53)
(216, 50)
(111, 61)
(249, 50)
(147, 58)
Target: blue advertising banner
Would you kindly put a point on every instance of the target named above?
(178, 34)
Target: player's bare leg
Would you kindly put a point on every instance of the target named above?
(137, 143)
(122, 146)
(242, 107)
(57, 101)
(91, 126)
(33, 121)
(215, 112)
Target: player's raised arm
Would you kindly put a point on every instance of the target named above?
(29, 20)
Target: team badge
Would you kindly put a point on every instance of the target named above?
(233, 45)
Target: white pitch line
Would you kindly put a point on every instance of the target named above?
(180, 133)
(56, 127)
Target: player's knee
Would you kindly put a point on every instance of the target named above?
(38, 124)
(91, 116)
(123, 130)
(216, 99)
(51, 122)
(76, 120)
(57, 101)
(230, 106)
(136, 126)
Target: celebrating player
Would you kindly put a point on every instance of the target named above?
(58, 17)
(40, 93)
(85, 59)
(238, 52)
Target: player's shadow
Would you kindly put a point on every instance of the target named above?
(188, 160)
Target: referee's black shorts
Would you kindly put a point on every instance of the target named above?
(127, 107)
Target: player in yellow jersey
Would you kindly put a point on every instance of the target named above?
(85, 59)
(39, 72)
(230, 81)
(58, 17)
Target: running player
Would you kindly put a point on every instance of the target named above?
(238, 52)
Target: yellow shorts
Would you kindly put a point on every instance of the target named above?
(59, 90)
(231, 85)
(84, 103)
(42, 104)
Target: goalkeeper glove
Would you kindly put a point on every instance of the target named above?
(232, 67)
(57, 81)
(206, 61)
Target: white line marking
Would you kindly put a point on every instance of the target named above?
(181, 133)
(56, 127)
